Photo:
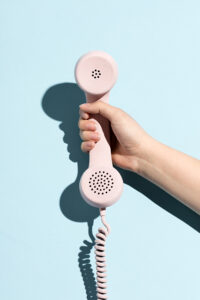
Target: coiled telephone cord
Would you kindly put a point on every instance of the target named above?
(100, 256)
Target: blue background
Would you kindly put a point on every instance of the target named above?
(153, 249)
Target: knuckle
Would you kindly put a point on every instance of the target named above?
(84, 135)
(82, 147)
(81, 134)
(80, 113)
(80, 123)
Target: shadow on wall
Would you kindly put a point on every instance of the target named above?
(61, 103)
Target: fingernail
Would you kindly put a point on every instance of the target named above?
(91, 126)
(96, 135)
(84, 116)
(83, 104)
(90, 144)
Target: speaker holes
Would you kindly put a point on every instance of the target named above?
(101, 183)
(96, 73)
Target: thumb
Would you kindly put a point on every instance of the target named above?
(99, 107)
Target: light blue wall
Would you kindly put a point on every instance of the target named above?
(153, 252)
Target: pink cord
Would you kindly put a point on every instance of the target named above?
(101, 257)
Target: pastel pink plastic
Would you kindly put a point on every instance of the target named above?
(101, 184)
(97, 63)
(100, 256)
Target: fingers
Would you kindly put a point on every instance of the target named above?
(87, 146)
(87, 132)
(83, 115)
(98, 107)
(89, 136)
(87, 125)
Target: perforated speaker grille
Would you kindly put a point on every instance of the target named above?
(96, 73)
(101, 182)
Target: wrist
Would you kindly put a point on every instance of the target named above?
(143, 157)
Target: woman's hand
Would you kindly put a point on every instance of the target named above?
(133, 149)
(128, 139)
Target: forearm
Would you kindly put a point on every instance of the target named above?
(175, 172)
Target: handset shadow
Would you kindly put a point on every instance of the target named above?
(61, 103)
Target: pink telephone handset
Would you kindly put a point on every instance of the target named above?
(101, 185)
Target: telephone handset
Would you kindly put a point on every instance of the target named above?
(100, 185)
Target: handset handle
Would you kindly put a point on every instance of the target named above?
(100, 155)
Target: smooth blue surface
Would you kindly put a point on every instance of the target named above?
(151, 254)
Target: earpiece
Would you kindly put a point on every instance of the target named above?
(101, 184)
(96, 73)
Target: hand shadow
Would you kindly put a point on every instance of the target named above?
(161, 198)
(61, 102)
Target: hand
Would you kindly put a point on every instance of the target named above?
(127, 137)
(133, 149)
